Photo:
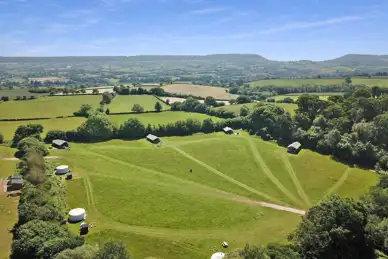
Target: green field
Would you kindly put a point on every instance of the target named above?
(7, 128)
(16, 92)
(289, 107)
(382, 82)
(161, 118)
(124, 103)
(145, 195)
(296, 96)
(46, 107)
(8, 206)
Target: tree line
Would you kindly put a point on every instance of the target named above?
(337, 228)
(40, 232)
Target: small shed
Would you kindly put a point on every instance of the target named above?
(60, 144)
(69, 176)
(14, 184)
(84, 228)
(294, 148)
(228, 130)
(153, 139)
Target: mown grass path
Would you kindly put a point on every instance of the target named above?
(295, 180)
(261, 163)
(338, 184)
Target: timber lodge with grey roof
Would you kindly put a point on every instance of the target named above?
(294, 148)
(60, 144)
(228, 130)
(153, 139)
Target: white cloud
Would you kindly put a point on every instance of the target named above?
(209, 10)
(306, 25)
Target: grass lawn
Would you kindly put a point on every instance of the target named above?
(46, 107)
(382, 82)
(200, 90)
(289, 107)
(7, 128)
(145, 195)
(8, 206)
(323, 96)
(124, 103)
(17, 92)
(160, 118)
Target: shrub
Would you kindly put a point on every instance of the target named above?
(1, 138)
(96, 127)
(32, 144)
(158, 107)
(82, 252)
(84, 111)
(55, 134)
(131, 129)
(29, 130)
(113, 250)
(137, 108)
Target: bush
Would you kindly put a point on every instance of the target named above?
(97, 127)
(113, 250)
(131, 129)
(32, 144)
(1, 138)
(106, 98)
(41, 239)
(29, 130)
(84, 111)
(55, 134)
(137, 108)
(158, 107)
(82, 252)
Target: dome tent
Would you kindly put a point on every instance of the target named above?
(62, 169)
(218, 255)
(76, 215)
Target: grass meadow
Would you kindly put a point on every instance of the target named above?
(7, 128)
(161, 118)
(382, 82)
(8, 206)
(145, 195)
(124, 103)
(289, 107)
(46, 107)
(200, 90)
(12, 93)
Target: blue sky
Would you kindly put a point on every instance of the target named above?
(275, 29)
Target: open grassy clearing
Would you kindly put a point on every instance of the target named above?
(382, 82)
(161, 118)
(46, 107)
(124, 103)
(144, 194)
(200, 90)
(12, 93)
(8, 128)
(295, 97)
(8, 206)
(289, 107)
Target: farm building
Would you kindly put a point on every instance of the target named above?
(228, 130)
(153, 139)
(60, 144)
(294, 148)
(76, 215)
(15, 183)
